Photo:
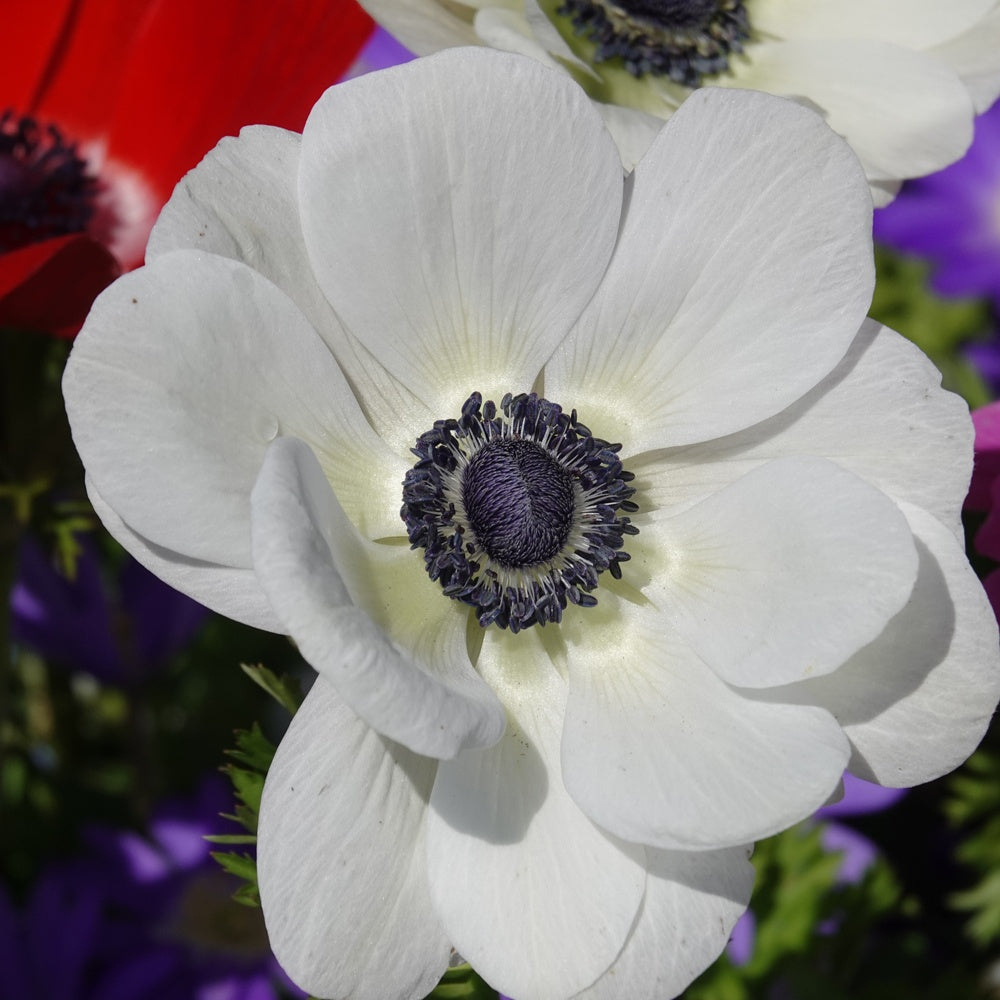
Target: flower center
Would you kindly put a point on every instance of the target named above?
(516, 509)
(684, 40)
(45, 189)
(519, 502)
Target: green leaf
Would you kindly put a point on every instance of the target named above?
(283, 690)
(231, 838)
(243, 866)
(939, 327)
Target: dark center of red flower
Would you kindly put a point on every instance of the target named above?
(45, 188)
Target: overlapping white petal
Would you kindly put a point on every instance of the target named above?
(309, 559)
(200, 381)
(916, 702)
(464, 262)
(747, 225)
(658, 750)
(912, 24)
(782, 575)
(692, 902)
(881, 413)
(899, 79)
(231, 591)
(905, 113)
(973, 56)
(341, 866)
(208, 213)
(535, 896)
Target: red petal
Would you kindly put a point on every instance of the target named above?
(49, 287)
(200, 70)
(32, 30)
(70, 55)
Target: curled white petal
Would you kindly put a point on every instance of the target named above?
(304, 548)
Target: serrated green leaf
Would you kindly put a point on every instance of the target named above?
(230, 838)
(253, 749)
(283, 690)
(242, 866)
(249, 786)
(247, 895)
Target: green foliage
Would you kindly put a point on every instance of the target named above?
(939, 327)
(818, 938)
(461, 982)
(250, 760)
(283, 690)
(973, 806)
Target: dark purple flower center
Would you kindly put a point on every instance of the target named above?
(45, 189)
(517, 510)
(519, 502)
(685, 40)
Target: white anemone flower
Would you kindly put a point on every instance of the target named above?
(901, 80)
(537, 736)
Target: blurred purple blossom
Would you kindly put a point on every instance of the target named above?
(380, 52)
(141, 918)
(118, 630)
(952, 218)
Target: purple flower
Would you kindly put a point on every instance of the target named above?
(952, 218)
(118, 632)
(179, 917)
(140, 918)
(380, 52)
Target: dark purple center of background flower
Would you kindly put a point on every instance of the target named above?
(675, 13)
(685, 40)
(45, 189)
(519, 502)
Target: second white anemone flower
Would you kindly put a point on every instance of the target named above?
(614, 531)
(900, 79)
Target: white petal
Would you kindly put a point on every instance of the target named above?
(882, 414)
(184, 372)
(916, 702)
(459, 230)
(230, 591)
(208, 212)
(535, 896)
(633, 131)
(780, 576)
(913, 24)
(742, 273)
(973, 56)
(341, 862)
(658, 750)
(307, 558)
(905, 113)
(692, 902)
(424, 26)
(509, 30)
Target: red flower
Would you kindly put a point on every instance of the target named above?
(111, 102)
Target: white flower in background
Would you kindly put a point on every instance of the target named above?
(444, 298)
(900, 79)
